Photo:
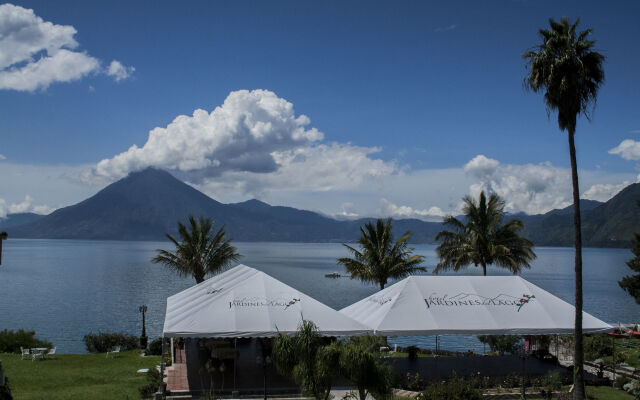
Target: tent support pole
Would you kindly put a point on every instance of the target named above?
(235, 361)
(524, 357)
(160, 393)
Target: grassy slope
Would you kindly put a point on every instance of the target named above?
(607, 393)
(77, 376)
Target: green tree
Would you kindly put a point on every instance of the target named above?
(569, 71)
(483, 240)
(361, 365)
(631, 283)
(198, 253)
(309, 359)
(379, 258)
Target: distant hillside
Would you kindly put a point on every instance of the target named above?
(18, 219)
(147, 204)
(609, 224)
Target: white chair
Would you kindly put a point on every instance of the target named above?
(51, 354)
(113, 351)
(25, 353)
(37, 354)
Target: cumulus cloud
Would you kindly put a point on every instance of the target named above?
(118, 71)
(35, 53)
(347, 211)
(252, 142)
(24, 206)
(605, 191)
(388, 209)
(628, 149)
(532, 188)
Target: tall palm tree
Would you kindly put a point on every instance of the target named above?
(483, 240)
(379, 258)
(569, 71)
(198, 253)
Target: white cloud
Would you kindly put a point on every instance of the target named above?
(388, 209)
(481, 166)
(347, 211)
(251, 143)
(628, 149)
(118, 71)
(25, 206)
(532, 188)
(64, 66)
(52, 184)
(605, 191)
(2, 157)
(35, 53)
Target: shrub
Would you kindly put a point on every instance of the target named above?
(155, 347)
(500, 343)
(453, 389)
(597, 346)
(105, 341)
(10, 341)
(415, 382)
(154, 379)
(5, 390)
(621, 380)
(412, 352)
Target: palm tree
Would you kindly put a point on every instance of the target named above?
(379, 259)
(568, 69)
(483, 240)
(198, 254)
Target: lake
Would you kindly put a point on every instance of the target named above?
(64, 289)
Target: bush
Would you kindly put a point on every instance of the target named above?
(415, 382)
(412, 352)
(500, 343)
(597, 346)
(154, 379)
(105, 341)
(5, 390)
(622, 380)
(10, 341)
(155, 347)
(453, 389)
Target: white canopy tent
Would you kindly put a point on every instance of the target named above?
(245, 302)
(467, 305)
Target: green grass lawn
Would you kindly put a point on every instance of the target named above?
(607, 393)
(77, 376)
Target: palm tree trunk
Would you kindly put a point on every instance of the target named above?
(484, 269)
(578, 355)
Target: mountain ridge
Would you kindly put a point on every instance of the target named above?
(148, 204)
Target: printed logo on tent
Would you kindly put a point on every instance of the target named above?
(258, 302)
(471, 300)
(213, 290)
(524, 300)
(380, 299)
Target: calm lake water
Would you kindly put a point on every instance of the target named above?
(64, 289)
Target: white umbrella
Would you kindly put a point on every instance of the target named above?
(245, 302)
(468, 305)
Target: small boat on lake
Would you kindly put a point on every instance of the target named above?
(333, 275)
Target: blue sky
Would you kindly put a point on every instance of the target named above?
(416, 91)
